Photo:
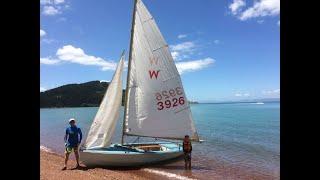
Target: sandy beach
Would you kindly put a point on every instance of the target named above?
(51, 164)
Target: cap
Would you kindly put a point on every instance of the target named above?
(72, 119)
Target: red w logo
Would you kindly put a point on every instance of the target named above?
(153, 73)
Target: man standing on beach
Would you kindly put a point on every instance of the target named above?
(72, 141)
(187, 148)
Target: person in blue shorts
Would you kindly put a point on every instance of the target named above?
(72, 141)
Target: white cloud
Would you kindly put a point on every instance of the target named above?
(261, 8)
(274, 92)
(49, 61)
(45, 40)
(180, 36)
(42, 89)
(175, 55)
(242, 94)
(72, 54)
(42, 33)
(58, 1)
(48, 41)
(53, 7)
(195, 65)
(77, 55)
(185, 46)
(182, 50)
(236, 6)
(216, 41)
(50, 11)
(47, 2)
(278, 23)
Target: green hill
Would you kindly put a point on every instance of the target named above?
(87, 94)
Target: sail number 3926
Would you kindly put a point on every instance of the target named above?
(169, 99)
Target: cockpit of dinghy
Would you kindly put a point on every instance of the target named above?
(151, 147)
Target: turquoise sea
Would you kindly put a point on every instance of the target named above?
(242, 140)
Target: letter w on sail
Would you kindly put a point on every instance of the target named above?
(153, 60)
(153, 73)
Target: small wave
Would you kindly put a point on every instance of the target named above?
(258, 103)
(167, 174)
(45, 149)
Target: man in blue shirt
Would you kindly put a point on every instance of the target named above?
(72, 141)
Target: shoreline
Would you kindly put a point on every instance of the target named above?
(51, 164)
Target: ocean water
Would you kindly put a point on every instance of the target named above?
(242, 141)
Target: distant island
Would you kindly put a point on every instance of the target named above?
(193, 102)
(87, 94)
(262, 100)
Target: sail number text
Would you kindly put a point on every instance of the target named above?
(169, 99)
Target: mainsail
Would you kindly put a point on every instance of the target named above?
(104, 123)
(156, 104)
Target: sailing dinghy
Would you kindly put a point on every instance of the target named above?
(155, 103)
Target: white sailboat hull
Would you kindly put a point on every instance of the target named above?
(119, 156)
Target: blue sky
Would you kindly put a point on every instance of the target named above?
(224, 50)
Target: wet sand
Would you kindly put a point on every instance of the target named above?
(51, 164)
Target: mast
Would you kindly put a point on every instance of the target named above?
(129, 68)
